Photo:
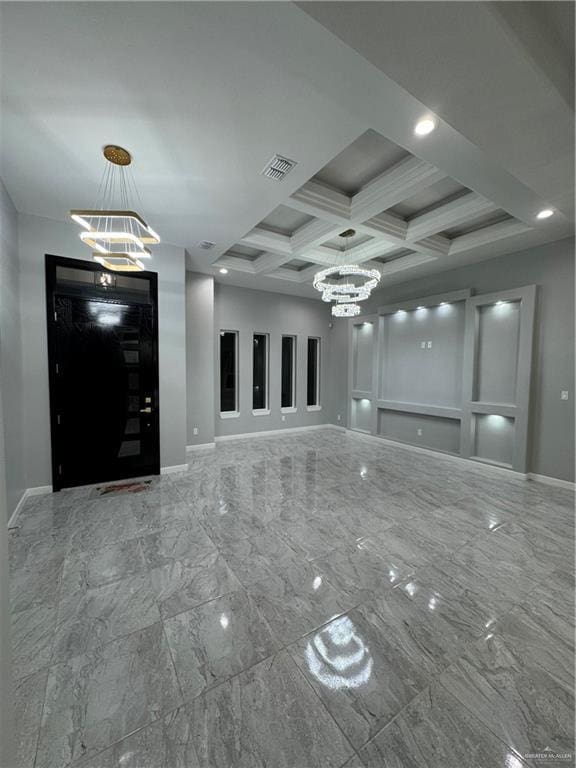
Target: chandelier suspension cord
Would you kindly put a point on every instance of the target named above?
(117, 234)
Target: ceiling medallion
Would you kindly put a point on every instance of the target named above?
(117, 234)
(346, 284)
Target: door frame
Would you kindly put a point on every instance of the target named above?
(51, 264)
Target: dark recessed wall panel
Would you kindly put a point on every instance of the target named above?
(437, 432)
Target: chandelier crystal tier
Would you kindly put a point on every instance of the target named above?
(116, 233)
(346, 310)
(346, 284)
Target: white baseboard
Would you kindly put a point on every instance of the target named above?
(438, 454)
(200, 447)
(39, 490)
(174, 468)
(570, 486)
(269, 432)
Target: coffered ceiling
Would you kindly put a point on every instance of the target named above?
(204, 94)
(404, 212)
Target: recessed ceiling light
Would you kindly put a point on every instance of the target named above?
(223, 271)
(419, 308)
(424, 127)
(545, 213)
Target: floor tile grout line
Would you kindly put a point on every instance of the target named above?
(484, 725)
(188, 701)
(514, 606)
(174, 669)
(435, 680)
(323, 705)
(41, 719)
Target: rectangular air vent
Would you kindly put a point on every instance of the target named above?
(206, 245)
(278, 167)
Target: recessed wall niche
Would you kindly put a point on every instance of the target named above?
(494, 438)
(421, 354)
(497, 355)
(362, 346)
(449, 372)
(361, 414)
(436, 432)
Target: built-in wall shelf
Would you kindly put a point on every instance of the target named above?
(493, 408)
(423, 408)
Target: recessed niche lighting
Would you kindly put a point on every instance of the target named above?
(424, 127)
(419, 308)
(223, 271)
(499, 303)
(545, 213)
(444, 303)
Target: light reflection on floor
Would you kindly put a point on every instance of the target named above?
(338, 657)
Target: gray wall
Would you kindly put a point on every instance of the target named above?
(200, 357)
(11, 473)
(337, 394)
(551, 268)
(39, 236)
(249, 312)
(10, 352)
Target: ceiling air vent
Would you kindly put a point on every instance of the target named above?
(206, 245)
(278, 167)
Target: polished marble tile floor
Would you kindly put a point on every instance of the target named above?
(301, 601)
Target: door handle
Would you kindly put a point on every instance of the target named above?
(146, 410)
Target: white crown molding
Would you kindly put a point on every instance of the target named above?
(268, 262)
(488, 235)
(240, 265)
(449, 215)
(393, 186)
(385, 224)
(367, 212)
(275, 242)
(292, 275)
(312, 234)
(322, 202)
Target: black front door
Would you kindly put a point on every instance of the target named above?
(103, 365)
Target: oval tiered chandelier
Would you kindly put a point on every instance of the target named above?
(116, 233)
(346, 284)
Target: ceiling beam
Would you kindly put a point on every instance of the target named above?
(233, 262)
(314, 233)
(269, 261)
(451, 214)
(393, 186)
(488, 235)
(321, 201)
(268, 241)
